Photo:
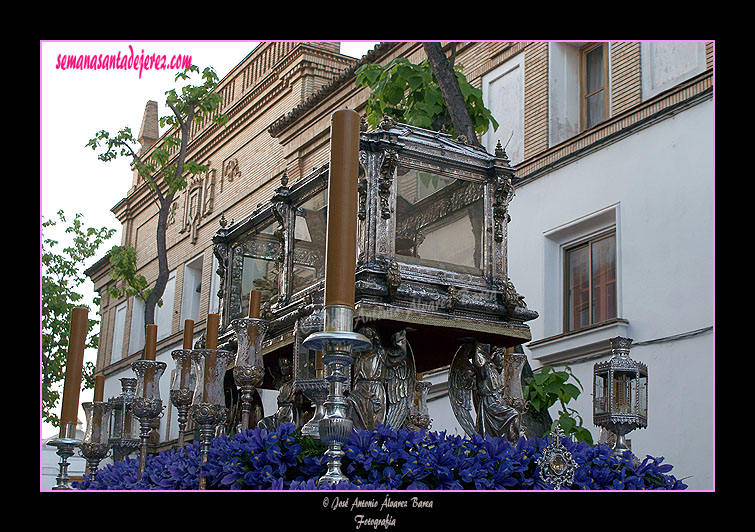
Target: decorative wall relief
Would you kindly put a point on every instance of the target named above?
(199, 200)
(230, 172)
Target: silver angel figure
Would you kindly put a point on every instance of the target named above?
(477, 395)
(288, 411)
(383, 382)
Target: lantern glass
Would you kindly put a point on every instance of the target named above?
(148, 373)
(250, 334)
(600, 402)
(122, 424)
(623, 385)
(643, 395)
(210, 366)
(184, 377)
(97, 419)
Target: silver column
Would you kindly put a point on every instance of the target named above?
(337, 342)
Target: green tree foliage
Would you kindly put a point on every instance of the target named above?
(61, 279)
(546, 388)
(410, 93)
(164, 173)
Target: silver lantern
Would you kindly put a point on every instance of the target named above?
(124, 433)
(620, 400)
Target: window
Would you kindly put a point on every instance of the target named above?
(594, 84)
(119, 330)
(192, 290)
(503, 94)
(164, 313)
(136, 341)
(214, 287)
(590, 282)
(665, 64)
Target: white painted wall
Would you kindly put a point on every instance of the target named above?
(660, 182)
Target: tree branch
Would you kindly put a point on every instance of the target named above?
(449, 87)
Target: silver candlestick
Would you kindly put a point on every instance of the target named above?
(337, 342)
(182, 389)
(249, 370)
(147, 404)
(208, 409)
(95, 445)
(66, 442)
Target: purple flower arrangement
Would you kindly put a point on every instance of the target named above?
(379, 459)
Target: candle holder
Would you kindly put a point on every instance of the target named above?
(147, 404)
(249, 369)
(337, 342)
(208, 408)
(316, 390)
(96, 445)
(66, 442)
(124, 438)
(182, 389)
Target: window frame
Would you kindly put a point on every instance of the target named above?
(587, 242)
(583, 95)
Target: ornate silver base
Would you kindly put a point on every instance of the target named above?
(146, 410)
(65, 443)
(248, 379)
(94, 454)
(207, 417)
(316, 390)
(182, 401)
(337, 341)
(620, 430)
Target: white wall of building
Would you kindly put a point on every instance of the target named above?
(658, 186)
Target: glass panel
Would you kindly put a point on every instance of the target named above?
(259, 268)
(578, 288)
(439, 220)
(643, 391)
(594, 109)
(622, 393)
(599, 404)
(310, 232)
(594, 69)
(604, 279)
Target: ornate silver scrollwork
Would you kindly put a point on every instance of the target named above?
(385, 181)
(503, 194)
(393, 278)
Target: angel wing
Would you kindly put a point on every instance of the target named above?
(461, 388)
(400, 376)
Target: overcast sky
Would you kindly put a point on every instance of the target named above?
(75, 104)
